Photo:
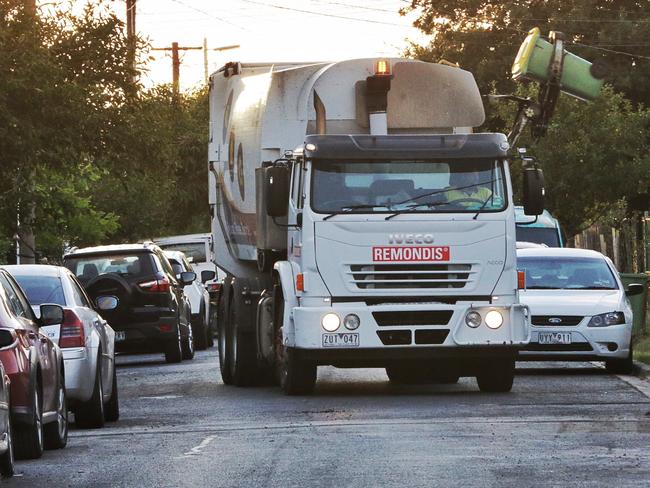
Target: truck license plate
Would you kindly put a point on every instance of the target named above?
(120, 335)
(342, 339)
(554, 338)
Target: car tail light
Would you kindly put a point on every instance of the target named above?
(214, 287)
(72, 331)
(156, 286)
(166, 328)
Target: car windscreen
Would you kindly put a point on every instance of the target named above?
(194, 251)
(42, 289)
(562, 273)
(87, 268)
(538, 235)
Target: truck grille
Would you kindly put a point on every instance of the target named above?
(413, 317)
(414, 276)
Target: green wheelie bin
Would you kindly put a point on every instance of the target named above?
(638, 302)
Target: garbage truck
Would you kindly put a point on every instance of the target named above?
(363, 223)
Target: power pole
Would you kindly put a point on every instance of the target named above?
(130, 31)
(205, 60)
(176, 68)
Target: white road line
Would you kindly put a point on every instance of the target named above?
(196, 450)
(160, 397)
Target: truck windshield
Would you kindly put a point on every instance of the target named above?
(414, 186)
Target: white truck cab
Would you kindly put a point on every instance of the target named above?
(363, 224)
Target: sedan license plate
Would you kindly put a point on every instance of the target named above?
(120, 335)
(554, 338)
(341, 339)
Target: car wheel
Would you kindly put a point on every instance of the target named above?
(621, 366)
(56, 433)
(174, 352)
(201, 333)
(497, 376)
(112, 407)
(188, 344)
(90, 414)
(29, 438)
(7, 459)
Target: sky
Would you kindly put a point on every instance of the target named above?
(268, 30)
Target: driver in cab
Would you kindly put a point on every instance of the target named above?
(467, 189)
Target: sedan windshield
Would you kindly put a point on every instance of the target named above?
(417, 186)
(42, 289)
(553, 272)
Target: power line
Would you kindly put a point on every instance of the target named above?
(622, 53)
(220, 19)
(323, 14)
(362, 7)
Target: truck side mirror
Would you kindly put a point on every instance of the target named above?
(276, 190)
(533, 191)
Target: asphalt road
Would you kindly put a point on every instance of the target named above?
(562, 425)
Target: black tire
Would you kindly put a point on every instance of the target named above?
(621, 366)
(201, 332)
(90, 414)
(241, 346)
(7, 466)
(112, 407)
(56, 433)
(497, 376)
(28, 438)
(188, 343)
(222, 346)
(174, 351)
(296, 377)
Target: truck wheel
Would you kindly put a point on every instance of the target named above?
(241, 346)
(296, 377)
(28, 438)
(621, 366)
(497, 376)
(222, 344)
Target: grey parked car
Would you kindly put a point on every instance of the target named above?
(85, 338)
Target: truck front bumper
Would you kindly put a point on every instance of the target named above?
(386, 331)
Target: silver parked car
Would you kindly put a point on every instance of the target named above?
(85, 338)
(6, 442)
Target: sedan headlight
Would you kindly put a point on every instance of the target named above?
(330, 322)
(606, 319)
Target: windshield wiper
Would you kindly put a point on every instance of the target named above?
(482, 206)
(349, 208)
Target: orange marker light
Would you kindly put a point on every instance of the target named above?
(521, 280)
(382, 67)
(300, 282)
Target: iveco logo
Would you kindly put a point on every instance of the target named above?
(410, 238)
(555, 320)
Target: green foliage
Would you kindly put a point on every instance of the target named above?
(595, 155)
(101, 158)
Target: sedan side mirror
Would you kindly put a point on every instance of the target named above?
(187, 277)
(207, 275)
(634, 289)
(106, 302)
(51, 314)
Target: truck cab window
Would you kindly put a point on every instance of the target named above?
(296, 184)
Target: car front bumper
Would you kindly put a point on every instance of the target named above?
(587, 343)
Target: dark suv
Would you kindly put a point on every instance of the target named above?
(153, 313)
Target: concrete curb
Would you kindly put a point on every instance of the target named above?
(641, 370)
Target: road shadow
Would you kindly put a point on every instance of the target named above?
(139, 360)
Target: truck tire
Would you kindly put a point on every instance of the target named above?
(296, 377)
(222, 341)
(240, 345)
(497, 376)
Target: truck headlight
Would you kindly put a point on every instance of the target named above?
(493, 319)
(351, 321)
(605, 319)
(330, 322)
(473, 319)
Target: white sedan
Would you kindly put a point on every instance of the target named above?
(85, 338)
(579, 308)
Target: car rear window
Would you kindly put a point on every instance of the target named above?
(126, 265)
(194, 251)
(42, 289)
(554, 272)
